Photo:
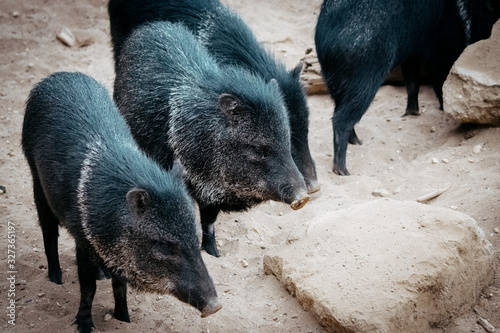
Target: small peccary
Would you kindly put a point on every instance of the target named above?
(126, 213)
(228, 128)
(230, 41)
(358, 42)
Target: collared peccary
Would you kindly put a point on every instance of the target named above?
(127, 214)
(359, 41)
(229, 40)
(228, 127)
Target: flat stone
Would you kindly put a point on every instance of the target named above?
(386, 266)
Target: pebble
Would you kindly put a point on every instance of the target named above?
(380, 193)
(435, 161)
(496, 230)
(15, 14)
(244, 263)
(445, 160)
(470, 160)
(107, 317)
(433, 129)
(486, 325)
(477, 149)
(41, 294)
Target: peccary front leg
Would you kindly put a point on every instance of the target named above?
(411, 75)
(50, 231)
(120, 294)
(87, 271)
(208, 215)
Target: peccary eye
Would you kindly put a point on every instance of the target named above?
(262, 152)
(164, 249)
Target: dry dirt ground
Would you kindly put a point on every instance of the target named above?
(397, 155)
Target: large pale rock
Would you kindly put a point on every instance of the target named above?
(385, 266)
(471, 93)
(311, 77)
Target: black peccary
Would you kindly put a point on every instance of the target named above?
(230, 41)
(358, 42)
(125, 212)
(228, 128)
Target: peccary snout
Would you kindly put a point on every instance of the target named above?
(211, 307)
(292, 189)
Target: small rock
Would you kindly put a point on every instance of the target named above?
(107, 317)
(433, 129)
(477, 149)
(35, 249)
(435, 161)
(486, 325)
(244, 263)
(445, 160)
(496, 230)
(470, 160)
(3, 190)
(41, 294)
(380, 193)
(15, 14)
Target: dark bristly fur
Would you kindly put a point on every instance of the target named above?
(125, 212)
(228, 128)
(359, 41)
(230, 41)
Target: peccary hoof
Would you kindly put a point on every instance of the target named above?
(84, 325)
(411, 112)
(340, 171)
(208, 244)
(56, 277)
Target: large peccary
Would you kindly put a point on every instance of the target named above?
(359, 41)
(229, 40)
(228, 128)
(126, 213)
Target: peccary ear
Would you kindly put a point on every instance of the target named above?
(177, 169)
(297, 70)
(274, 83)
(229, 105)
(137, 201)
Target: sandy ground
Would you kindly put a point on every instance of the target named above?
(397, 155)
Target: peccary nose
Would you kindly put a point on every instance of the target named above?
(210, 308)
(301, 199)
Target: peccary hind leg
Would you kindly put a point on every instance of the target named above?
(208, 215)
(87, 272)
(50, 231)
(411, 75)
